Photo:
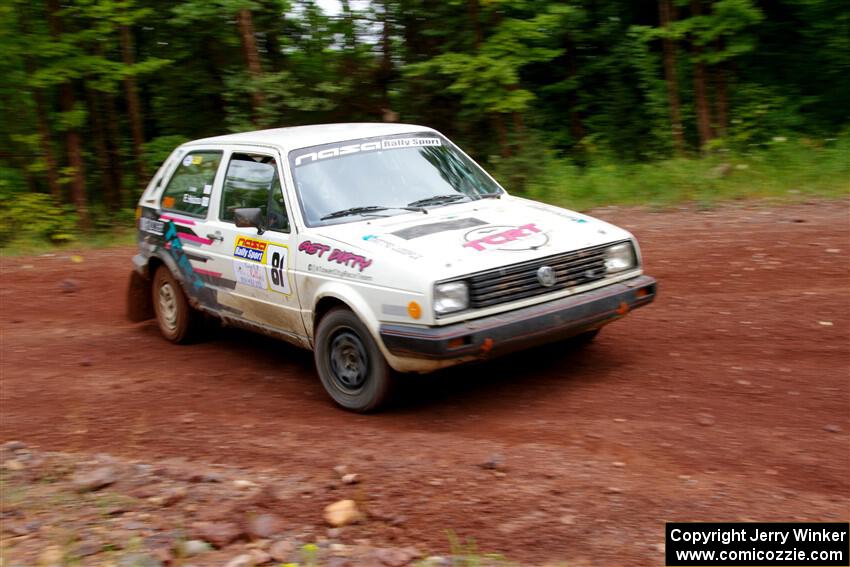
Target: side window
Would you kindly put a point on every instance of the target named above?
(190, 187)
(252, 181)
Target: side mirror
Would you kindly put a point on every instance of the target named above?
(250, 218)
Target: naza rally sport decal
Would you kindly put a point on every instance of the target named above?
(265, 266)
(250, 249)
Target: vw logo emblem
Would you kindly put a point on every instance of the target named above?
(546, 276)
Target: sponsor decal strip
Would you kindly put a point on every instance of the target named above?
(180, 220)
(176, 247)
(193, 238)
(344, 257)
(206, 272)
(371, 146)
(250, 249)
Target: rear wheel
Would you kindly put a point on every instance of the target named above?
(350, 365)
(177, 320)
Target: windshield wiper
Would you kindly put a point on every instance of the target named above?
(367, 210)
(437, 200)
(489, 195)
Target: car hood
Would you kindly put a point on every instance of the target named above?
(469, 237)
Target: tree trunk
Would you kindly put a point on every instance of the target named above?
(385, 70)
(476, 25)
(576, 126)
(252, 57)
(502, 133)
(721, 104)
(133, 107)
(72, 137)
(101, 152)
(42, 125)
(667, 14)
(46, 145)
(114, 144)
(700, 92)
(75, 160)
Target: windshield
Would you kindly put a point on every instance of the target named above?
(389, 175)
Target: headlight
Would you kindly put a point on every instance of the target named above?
(620, 257)
(450, 297)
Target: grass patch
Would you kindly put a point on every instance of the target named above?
(94, 240)
(782, 172)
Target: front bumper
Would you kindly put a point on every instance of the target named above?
(521, 328)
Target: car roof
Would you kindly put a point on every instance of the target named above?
(295, 137)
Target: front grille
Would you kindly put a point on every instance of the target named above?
(519, 281)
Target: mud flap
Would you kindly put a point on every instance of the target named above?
(139, 303)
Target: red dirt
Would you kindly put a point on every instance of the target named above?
(718, 402)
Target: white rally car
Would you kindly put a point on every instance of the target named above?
(380, 247)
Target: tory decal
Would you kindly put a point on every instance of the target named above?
(524, 237)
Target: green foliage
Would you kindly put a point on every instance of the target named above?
(541, 91)
(157, 150)
(32, 217)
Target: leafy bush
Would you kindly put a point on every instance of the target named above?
(34, 217)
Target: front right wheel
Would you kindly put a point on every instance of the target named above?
(350, 365)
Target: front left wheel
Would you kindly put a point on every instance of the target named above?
(350, 365)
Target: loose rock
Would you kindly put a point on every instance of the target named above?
(260, 557)
(244, 560)
(69, 285)
(173, 496)
(394, 557)
(282, 550)
(351, 478)
(264, 526)
(139, 560)
(342, 513)
(94, 480)
(52, 555)
(220, 534)
(705, 419)
(14, 445)
(193, 547)
(14, 465)
(493, 463)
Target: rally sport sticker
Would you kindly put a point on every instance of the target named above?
(261, 264)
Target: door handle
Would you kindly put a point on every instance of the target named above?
(215, 236)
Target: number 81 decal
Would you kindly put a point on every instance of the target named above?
(277, 258)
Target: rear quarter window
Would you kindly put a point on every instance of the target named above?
(190, 188)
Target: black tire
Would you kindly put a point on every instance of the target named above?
(584, 338)
(177, 321)
(351, 367)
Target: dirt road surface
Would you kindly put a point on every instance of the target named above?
(727, 399)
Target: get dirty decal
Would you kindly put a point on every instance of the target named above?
(338, 255)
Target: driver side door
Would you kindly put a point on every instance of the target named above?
(257, 260)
